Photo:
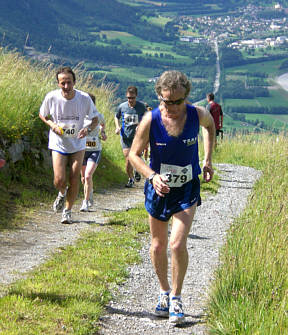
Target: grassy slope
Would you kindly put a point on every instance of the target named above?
(249, 295)
(242, 302)
(278, 96)
(22, 185)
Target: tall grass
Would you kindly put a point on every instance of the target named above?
(23, 86)
(250, 294)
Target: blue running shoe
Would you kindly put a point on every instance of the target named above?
(162, 308)
(176, 314)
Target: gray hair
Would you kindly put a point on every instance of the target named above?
(171, 81)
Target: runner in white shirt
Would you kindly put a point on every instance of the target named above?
(91, 159)
(64, 112)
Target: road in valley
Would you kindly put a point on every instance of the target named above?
(283, 81)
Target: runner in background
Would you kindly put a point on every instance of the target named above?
(2, 162)
(91, 159)
(172, 188)
(127, 117)
(217, 114)
(64, 111)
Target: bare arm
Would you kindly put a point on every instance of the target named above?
(208, 129)
(140, 142)
(55, 128)
(102, 131)
(84, 131)
(117, 125)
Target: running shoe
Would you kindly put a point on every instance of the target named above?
(91, 201)
(66, 216)
(162, 308)
(85, 206)
(59, 202)
(176, 314)
(130, 183)
(137, 176)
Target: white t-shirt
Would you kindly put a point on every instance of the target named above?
(93, 142)
(69, 115)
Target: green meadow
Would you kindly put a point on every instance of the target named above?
(270, 67)
(69, 292)
(278, 97)
(275, 121)
(147, 48)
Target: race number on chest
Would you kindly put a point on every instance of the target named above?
(176, 176)
(69, 129)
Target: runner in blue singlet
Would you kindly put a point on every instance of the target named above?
(172, 188)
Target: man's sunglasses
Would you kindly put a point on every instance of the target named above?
(131, 98)
(172, 102)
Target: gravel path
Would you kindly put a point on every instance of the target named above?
(131, 311)
(23, 249)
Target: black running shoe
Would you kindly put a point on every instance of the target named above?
(130, 183)
(137, 176)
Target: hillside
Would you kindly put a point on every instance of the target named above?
(64, 27)
(125, 41)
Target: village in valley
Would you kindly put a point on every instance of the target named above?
(244, 27)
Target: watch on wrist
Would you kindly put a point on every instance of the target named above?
(150, 178)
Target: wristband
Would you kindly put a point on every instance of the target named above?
(150, 178)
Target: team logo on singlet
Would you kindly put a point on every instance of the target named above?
(190, 141)
(161, 144)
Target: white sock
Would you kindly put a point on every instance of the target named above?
(62, 194)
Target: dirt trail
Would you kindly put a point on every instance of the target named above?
(23, 249)
(131, 310)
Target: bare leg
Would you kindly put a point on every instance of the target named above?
(59, 162)
(88, 178)
(158, 250)
(76, 160)
(129, 167)
(182, 222)
(83, 169)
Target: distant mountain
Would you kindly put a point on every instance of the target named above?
(69, 28)
(48, 20)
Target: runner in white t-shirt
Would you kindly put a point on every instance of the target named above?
(64, 111)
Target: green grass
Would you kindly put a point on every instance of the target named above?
(158, 21)
(270, 67)
(67, 294)
(249, 295)
(275, 121)
(277, 98)
(19, 111)
(147, 48)
(240, 103)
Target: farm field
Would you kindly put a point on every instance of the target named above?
(131, 73)
(278, 97)
(229, 123)
(275, 121)
(270, 67)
